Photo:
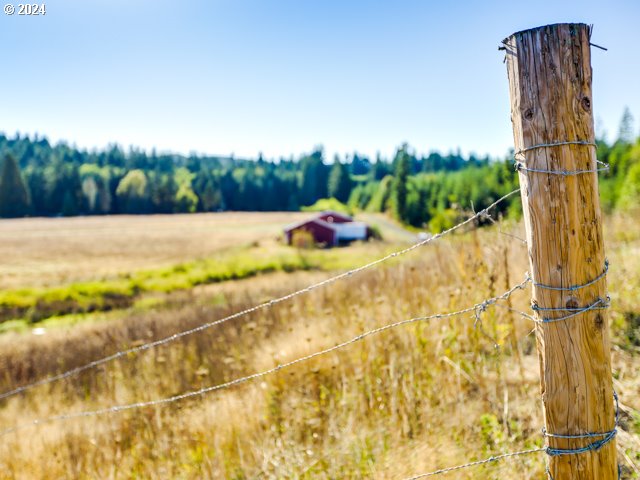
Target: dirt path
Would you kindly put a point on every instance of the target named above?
(389, 229)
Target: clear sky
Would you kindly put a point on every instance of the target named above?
(281, 76)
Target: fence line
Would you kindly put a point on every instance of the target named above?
(205, 326)
(476, 310)
(478, 462)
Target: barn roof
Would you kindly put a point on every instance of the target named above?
(317, 219)
(333, 213)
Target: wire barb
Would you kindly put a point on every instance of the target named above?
(486, 216)
(205, 326)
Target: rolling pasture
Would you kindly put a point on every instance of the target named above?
(408, 400)
(53, 251)
(59, 266)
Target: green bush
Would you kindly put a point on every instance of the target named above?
(328, 204)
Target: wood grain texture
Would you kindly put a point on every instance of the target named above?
(549, 70)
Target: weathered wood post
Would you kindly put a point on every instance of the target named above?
(549, 71)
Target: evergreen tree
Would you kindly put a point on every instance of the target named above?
(35, 187)
(14, 196)
(314, 178)
(360, 165)
(399, 187)
(210, 197)
(61, 179)
(228, 187)
(69, 206)
(625, 133)
(380, 169)
(163, 190)
(339, 186)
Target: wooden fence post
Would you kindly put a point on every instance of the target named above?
(549, 70)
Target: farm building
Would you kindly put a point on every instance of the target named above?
(330, 228)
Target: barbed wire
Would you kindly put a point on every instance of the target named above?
(486, 216)
(500, 231)
(573, 288)
(205, 326)
(521, 166)
(597, 305)
(594, 446)
(555, 144)
(163, 401)
(495, 458)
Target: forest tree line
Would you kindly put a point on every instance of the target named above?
(40, 179)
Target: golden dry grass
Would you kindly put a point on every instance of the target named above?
(409, 400)
(51, 251)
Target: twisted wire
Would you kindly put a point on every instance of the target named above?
(495, 458)
(555, 144)
(237, 381)
(596, 445)
(537, 308)
(520, 166)
(598, 304)
(573, 288)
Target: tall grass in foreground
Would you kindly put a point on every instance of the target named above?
(409, 400)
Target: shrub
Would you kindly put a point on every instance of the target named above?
(328, 204)
(302, 239)
(374, 232)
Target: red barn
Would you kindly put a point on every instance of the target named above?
(334, 217)
(330, 228)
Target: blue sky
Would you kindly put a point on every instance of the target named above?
(281, 76)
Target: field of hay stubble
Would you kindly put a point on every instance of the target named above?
(409, 400)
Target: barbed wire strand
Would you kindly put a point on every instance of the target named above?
(515, 310)
(494, 222)
(573, 288)
(176, 336)
(520, 166)
(120, 408)
(598, 304)
(495, 458)
(555, 144)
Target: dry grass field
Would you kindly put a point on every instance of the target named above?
(52, 251)
(411, 399)
(57, 267)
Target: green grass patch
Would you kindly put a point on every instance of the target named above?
(15, 325)
(38, 304)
